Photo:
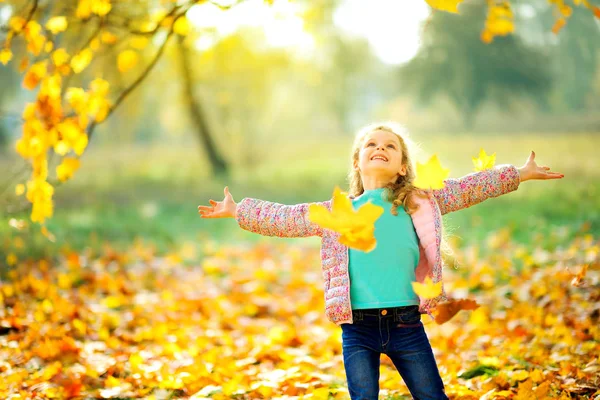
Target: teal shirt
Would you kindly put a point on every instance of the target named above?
(382, 277)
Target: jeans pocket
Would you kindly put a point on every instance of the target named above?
(410, 318)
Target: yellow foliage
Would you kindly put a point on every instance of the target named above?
(445, 5)
(182, 26)
(5, 56)
(127, 60)
(57, 24)
(80, 61)
(67, 168)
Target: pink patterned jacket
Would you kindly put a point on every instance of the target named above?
(273, 219)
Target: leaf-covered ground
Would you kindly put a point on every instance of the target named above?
(247, 321)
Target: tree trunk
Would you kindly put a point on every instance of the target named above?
(217, 162)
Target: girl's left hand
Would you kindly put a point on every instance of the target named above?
(531, 171)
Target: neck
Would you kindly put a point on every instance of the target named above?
(375, 182)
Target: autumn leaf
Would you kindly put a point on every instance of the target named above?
(596, 11)
(356, 227)
(484, 161)
(57, 24)
(5, 56)
(80, 61)
(35, 75)
(127, 59)
(445, 311)
(558, 25)
(19, 189)
(67, 168)
(427, 289)
(445, 5)
(431, 175)
(182, 26)
(60, 57)
(578, 279)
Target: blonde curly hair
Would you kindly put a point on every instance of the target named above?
(401, 192)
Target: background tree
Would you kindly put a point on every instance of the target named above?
(455, 62)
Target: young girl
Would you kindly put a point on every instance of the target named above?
(370, 294)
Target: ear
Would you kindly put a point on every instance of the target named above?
(402, 170)
(355, 163)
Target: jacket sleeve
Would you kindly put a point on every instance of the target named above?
(476, 187)
(274, 219)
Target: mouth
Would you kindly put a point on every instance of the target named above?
(379, 157)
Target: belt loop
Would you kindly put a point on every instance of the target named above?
(397, 314)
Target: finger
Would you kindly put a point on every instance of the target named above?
(214, 203)
(531, 156)
(205, 208)
(226, 191)
(554, 175)
(546, 168)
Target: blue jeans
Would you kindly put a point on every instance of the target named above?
(397, 332)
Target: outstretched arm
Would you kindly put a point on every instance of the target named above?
(265, 217)
(479, 186)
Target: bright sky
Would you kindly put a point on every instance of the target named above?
(391, 26)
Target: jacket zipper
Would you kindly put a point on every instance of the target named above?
(348, 274)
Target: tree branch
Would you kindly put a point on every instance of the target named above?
(136, 83)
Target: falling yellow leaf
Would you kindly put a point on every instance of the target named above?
(445, 5)
(5, 56)
(431, 175)
(127, 60)
(57, 24)
(484, 161)
(428, 289)
(357, 228)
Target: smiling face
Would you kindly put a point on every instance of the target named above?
(380, 157)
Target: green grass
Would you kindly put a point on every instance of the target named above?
(152, 193)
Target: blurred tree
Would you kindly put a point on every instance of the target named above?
(455, 62)
(196, 110)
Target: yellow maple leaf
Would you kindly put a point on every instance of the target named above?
(428, 289)
(445, 5)
(431, 175)
(127, 59)
(357, 228)
(57, 24)
(484, 161)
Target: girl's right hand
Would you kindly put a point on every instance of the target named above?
(219, 209)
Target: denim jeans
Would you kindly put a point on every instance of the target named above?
(399, 333)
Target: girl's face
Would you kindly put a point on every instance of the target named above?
(380, 156)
